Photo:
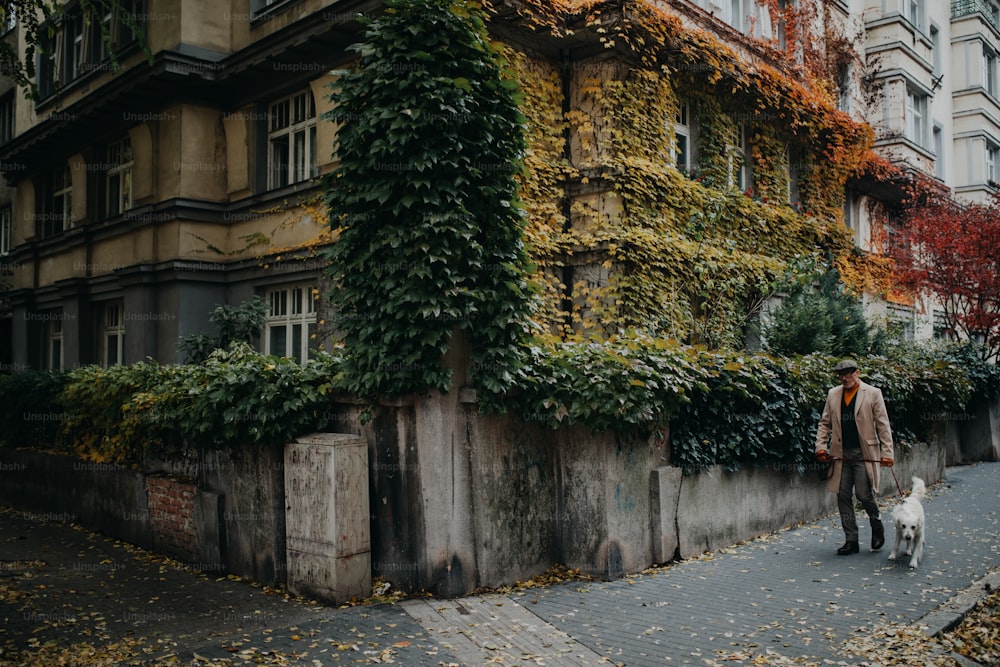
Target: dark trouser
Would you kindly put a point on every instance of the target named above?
(854, 479)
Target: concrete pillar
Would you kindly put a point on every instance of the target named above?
(326, 517)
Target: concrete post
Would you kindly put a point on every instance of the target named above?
(326, 522)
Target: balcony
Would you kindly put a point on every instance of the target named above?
(990, 11)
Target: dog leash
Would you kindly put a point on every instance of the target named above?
(891, 470)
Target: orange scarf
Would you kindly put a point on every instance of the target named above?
(849, 394)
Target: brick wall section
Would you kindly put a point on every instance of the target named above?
(171, 513)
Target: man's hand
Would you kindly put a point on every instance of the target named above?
(886, 462)
(823, 456)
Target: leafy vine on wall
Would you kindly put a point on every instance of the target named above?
(647, 247)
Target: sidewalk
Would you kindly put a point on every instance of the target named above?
(786, 598)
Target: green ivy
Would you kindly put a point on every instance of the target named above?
(731, 408)
(424, 200)
(232, 323)
(722, 408)
(124, 413)
(238, 396)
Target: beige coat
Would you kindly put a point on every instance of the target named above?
(873, 431)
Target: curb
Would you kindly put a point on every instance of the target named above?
(950, 614)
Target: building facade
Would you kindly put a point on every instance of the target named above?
(145, 189)
(146, 186)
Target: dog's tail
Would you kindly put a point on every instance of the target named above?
(919, 490)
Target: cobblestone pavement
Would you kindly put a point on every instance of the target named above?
(70, 596)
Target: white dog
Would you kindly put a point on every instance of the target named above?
(909, 519)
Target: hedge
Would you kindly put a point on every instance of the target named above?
(727, 408)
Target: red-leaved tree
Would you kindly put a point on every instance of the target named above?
(951, 252)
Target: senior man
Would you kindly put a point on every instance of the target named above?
(854, 433)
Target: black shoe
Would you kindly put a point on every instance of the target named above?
(878, 534)
(848, 549)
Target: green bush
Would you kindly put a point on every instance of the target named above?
(233, 324)
(239, 396)
(723, 408)
(123, 413)
(822, 319)
(95, 402)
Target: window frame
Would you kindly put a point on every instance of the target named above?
(288, 307)
(55, 340)
(77, 47)
(740, 165)
(7, 113)
(118, 177)
(916, 108)
(58, 215)
(683, 128)
(6, 229)
(914, 12)
(112, 329)
(934, 33)
(992, 170)
(989, 73)
(292, 132)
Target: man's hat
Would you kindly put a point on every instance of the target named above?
(845, 366)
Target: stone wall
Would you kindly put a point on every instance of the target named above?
(457, 500)
(239, 508)
(172, 517)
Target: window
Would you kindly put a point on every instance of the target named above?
(55, 341)
(261, 5)
(901, 321)
(681, 151)
(844, 88)
(60, 211)
(6, 222)
(119, 28)
(936, 49)
(118, 177)
(738, 14)
(941, 329)
(741, 174)
(6, 118)
(938, 139)
(79, 44)
(73, 44)
(113, 334)
(783, 24)
(850, 212)
(795, 168)
(916, 117)
(990, 71)
(291, 322)
(915, 13)
(291, 140)
(992, 162)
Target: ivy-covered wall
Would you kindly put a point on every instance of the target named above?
(621, 237)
